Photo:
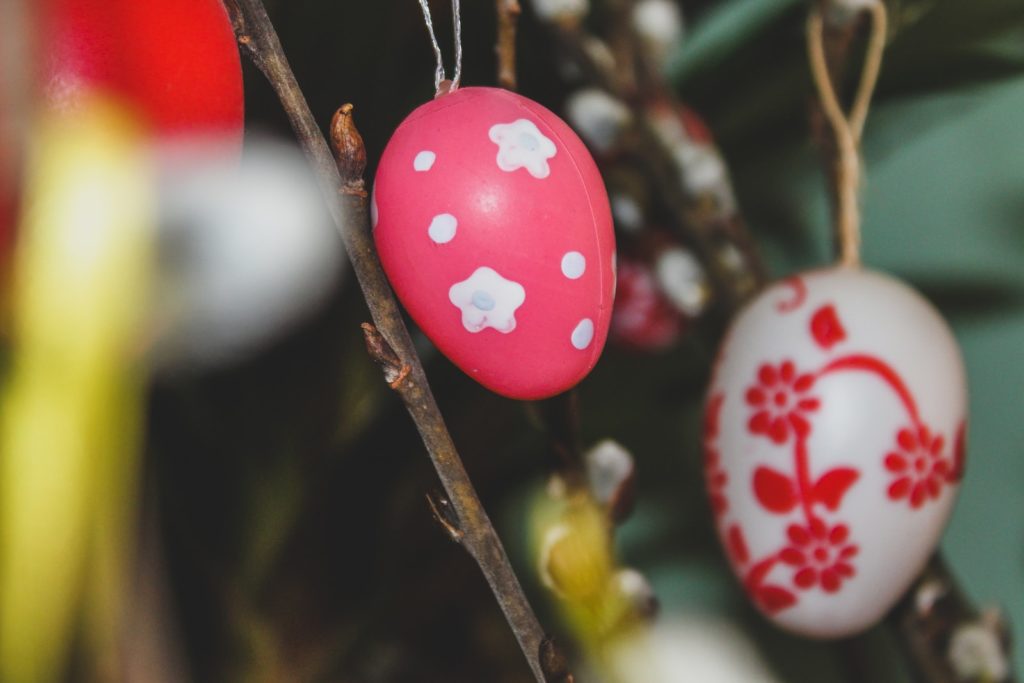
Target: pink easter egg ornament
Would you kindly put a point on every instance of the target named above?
(493, 226)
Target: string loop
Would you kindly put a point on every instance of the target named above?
(439, 72)
(847, 128)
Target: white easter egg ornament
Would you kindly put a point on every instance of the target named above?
(834, 446)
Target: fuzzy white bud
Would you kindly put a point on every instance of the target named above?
(637, 591)
(688, 649)
(659, 24)
(609, 465)
(598, 117)
(627, 212)
(560, 10)
(682, 279)
(975, 652)
(843, 11)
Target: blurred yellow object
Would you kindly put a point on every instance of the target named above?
(576, 560)
(575, 553)
(70, 406)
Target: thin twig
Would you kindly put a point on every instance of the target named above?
(559, 417)
(508, 15)
(932, 615)
(624, 48)
(347, 202)
(709, 231)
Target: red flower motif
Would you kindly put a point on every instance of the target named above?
(714, 475)
(919, 468)
(716, 479)
(780, 402)
(820, 554)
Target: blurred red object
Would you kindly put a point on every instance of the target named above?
(643, 318)
(176, 61)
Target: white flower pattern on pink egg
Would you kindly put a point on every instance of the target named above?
(486, 299)
(522, 145)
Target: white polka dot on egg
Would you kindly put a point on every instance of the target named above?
(583, 334)
(424, 161)
(442, 228)
(573, 265)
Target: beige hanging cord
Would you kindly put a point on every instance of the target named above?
(847, 129)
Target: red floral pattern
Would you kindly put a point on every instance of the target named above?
(716, 482)
(816, 553)
(715, 477)
(820, 555)
(780, 402)
(919, 469)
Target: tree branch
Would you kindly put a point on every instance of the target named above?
(391, 343)
(945, 638)
(508, 15)
(560, 419)
(710, 228)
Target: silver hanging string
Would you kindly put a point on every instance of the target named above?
(439, 74)
(457, 21)
(439, 71)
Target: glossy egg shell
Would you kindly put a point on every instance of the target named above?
(493, 225)
(834, 446)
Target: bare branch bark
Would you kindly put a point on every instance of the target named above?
(508, 15)
(945, 638)
(709, 231)
(389, 338)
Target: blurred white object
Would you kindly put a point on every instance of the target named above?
(844, 10)
(557, 10)
(599, 51)
(608, 467)
(688, 650)
(638, 592)
(628, 214)
(598, 117)
(659, 24)
(247, 251)
(701, 167)
(682, 279)
(976, 652)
